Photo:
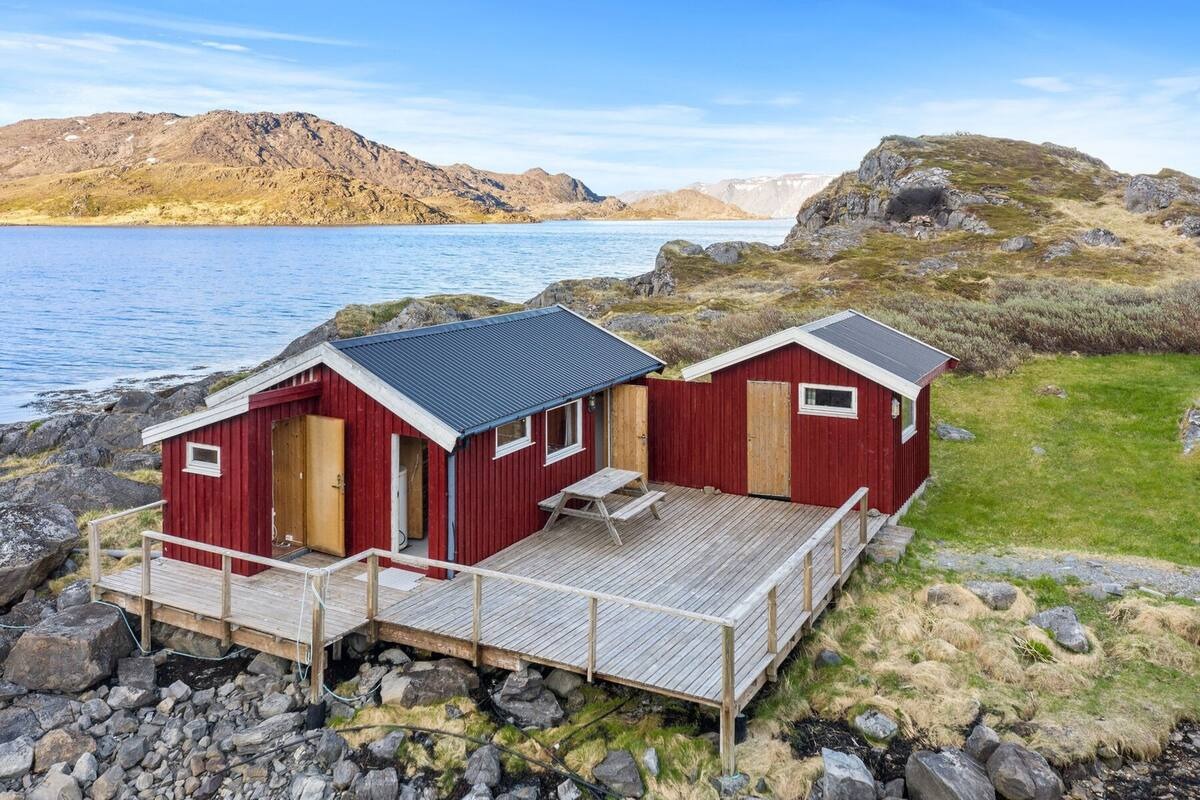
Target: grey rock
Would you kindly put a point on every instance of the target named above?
(543, 711)
(71, 651)
(1100, 237)
(1189, 226)
(846, 777)
(56, 786)
(51, 710)
(478, 792)
(933, 265)
(343, 774)
(827, 658)
(1021, 774)
(562, 682)
(876, 725)
(395, 656)
(1065, 628)
(10, 691)
(76, 594)
(131, 752)
(330, 747)
(61, 745)
(269, 731)
(1060, 250)
(618, 771)
(650, 761)
(1152, 193)
(1017, 244)
(483, 766)
(948, 775)
(267, 664)
(378, 784)
(18, 722)
(894, 788)
(16, 757)
(178, 690)
(79, 488)
(567, 790)
(109, 783)
(525, 684)
(940, 594)
(127, 697)
(730, 785)
(134, 460)
(951, 433)
(85, 769)
(137, 672)
(1038, 450)
(996, 595)
(728, 253)
(314, 787)
(982, 742)
(1190, 431)
(383, 751)
(35, 539)
(428, 682)
(274, 704)
(184, 641)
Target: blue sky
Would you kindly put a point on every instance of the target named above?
(637, 95)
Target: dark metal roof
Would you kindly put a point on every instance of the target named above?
(880, 345)
(478, 374)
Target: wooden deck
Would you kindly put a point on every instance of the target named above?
(706, 556)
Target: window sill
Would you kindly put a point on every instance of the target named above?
(511, 448)
(907, 434)
(829, 412)
(208, 473)
(564, 453)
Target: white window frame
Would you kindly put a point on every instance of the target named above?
(516, 444)
(566, 452)
(911, 430)
(828, 411)
(195, 467)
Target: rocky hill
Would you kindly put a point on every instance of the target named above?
(681, 204)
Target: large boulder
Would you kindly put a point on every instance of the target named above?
(1156, 192)
(1021, 774)
(948, 775)
(1100, 237)
(71, 651)
(35, 539)
(483, 766)
(846, 777)
(996, 595)
(982, 742)
(525, 698)
(16, 758)
(619, 772)
(1064, 626)
(79, 489)
(428, 682)
(952, 433)
(875, 725)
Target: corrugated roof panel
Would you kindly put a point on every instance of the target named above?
(476, 374)
(882, 346)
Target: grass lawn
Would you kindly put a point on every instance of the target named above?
(1113, 478)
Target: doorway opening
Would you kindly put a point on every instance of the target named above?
(308, 485)
(409, 527)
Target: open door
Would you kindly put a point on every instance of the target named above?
(289, 463)
(769, 438)
(326, 484)
(630, 428)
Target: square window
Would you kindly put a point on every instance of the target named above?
(563, 431)
(203, 459)
(512, 436)
(828, 401)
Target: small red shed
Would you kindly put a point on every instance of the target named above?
(808, 414)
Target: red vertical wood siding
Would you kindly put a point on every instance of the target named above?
(912, 458)
(497, 497)
(698, 433)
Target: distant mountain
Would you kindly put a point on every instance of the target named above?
(777, 197)
(681, 204)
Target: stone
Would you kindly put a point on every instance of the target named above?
(16, 757)
(428, 682)
(383, 751)
(85, 769)
(274, 704)
(846, 777)
(267, 664)
(982, 742)
(996, 595)
(131, 752)
(894, 788)
(948, 775)
(827, 658)
(71, 651)
(567, 790)
(344, 773)
(650, 761)
(1021, 774)
(76, 594)
(730, 785)
(268, 731)
(1059, 250)
(378, 784)
(126, 697)
(314, 787)
(562, 682)
(1017, 244)
(1100, 237)
(330, 747)
(57, 786)
(483, 766)
(394, 656)
(35, 539)
(951, 433)
(941, 594)
(478, 792)
(933, 265)
(178, 690)
(1053, 390)
(109, 783)
(525, 684)
(137, 673)
(18, 722)
(61, 745)
(1064, 627)
(80, 489)
(189, 642)
(543, 711)
(618, 771)
(876, 725)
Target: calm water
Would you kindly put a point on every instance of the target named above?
(84, 307)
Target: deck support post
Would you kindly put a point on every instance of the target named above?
(837, 553)
(728, 702)
(476, 617)
(862, 519)
(94, 557)
(591, 657)
(772, 631)
(226, 599)
(147, 604)
(372, 597)
(808, 586)
(316, 647)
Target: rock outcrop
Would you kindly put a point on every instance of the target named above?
(71, 651)
(34, 540)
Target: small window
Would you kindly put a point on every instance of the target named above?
(828, 401)
(203, 459)
(512, 436)
(908, 418)
(563, 431)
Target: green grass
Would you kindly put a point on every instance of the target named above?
(1113, 479)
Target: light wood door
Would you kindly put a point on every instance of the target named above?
(630, 428)
(769, 438)
(288, 465)
(326, 479)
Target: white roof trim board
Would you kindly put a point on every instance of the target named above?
(804, 337)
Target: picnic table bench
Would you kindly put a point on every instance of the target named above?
(595, 489)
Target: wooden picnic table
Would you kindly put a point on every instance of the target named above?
(595, 489)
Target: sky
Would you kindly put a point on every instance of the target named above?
(635, 95)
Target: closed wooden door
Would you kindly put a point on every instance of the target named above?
(630, 428)
(289, 462)
(326, 484)
(769, 438)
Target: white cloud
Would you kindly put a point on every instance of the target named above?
(1046, 83)
(205, 28)
(226, 46)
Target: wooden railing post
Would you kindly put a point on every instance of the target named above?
(316, 646)
(772, 631)
(837, 551)
(476, 617)
(226, 598)
(862, 519)
(808, 586)
(147, 604)
(728, 702)
(591, 658)
(372, 597)
(94, 557)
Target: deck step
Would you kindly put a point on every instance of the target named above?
(890, 544)
(637, 506)
(550, 502)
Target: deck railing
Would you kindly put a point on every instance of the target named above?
(94, 568)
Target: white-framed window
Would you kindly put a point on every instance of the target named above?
(203, 459)
(829, 401)
(908, 418)
(564, 431)
(512, 436)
